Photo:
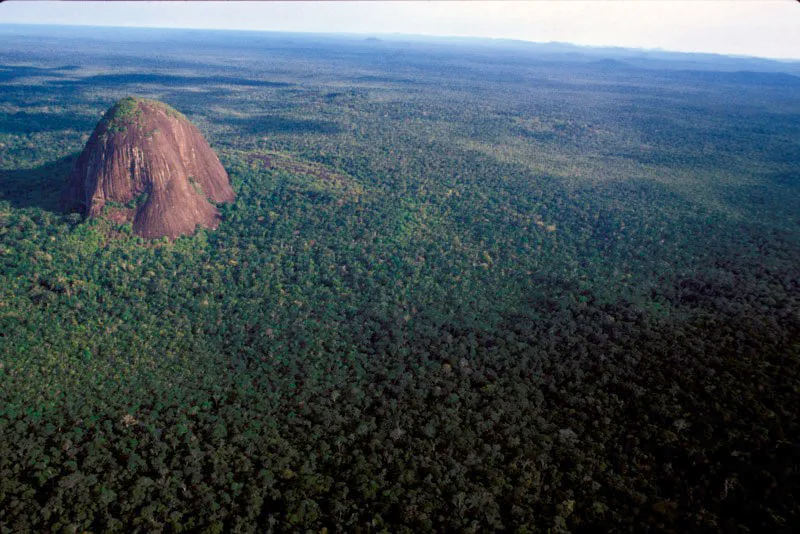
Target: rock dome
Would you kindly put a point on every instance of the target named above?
(147, 164)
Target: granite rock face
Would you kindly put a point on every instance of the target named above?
(147, 164)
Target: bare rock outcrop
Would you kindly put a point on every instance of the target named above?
(147, 164)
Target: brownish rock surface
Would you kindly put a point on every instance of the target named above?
(147, 164)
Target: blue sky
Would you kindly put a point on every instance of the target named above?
(764, 28)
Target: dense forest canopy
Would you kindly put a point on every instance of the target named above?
(464, 286)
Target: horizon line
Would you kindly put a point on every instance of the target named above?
(431, 36)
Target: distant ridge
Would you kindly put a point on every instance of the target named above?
(700, 59)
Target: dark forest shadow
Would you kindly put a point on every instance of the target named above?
(272, 124)
(12, 72)
(24, 122)
(166, 80)
(39, 187)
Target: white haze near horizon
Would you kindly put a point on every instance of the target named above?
(767, 28)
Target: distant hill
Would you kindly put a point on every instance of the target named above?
(147, 164)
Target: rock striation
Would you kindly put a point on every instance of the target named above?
(147, 164)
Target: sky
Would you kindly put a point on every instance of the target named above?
(761, 28)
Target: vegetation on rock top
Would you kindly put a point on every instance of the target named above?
(129, 111)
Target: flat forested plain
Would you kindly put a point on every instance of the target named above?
(466, 286)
